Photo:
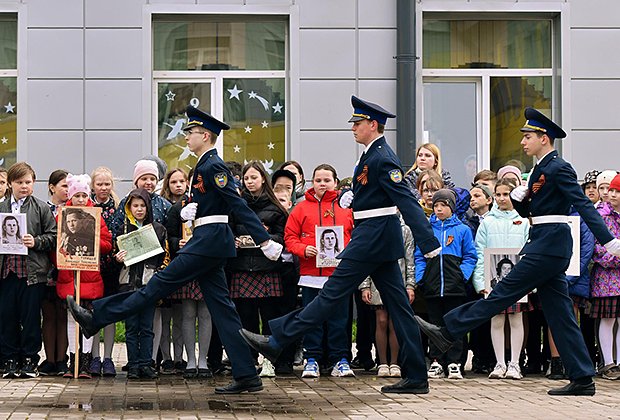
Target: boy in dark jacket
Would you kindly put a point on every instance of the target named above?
(443, 278)
(139, 327)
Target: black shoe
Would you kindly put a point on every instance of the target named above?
(29, 369)
(71, 368)
(190, 373)
(11, 371)
(83, 316)
(261, 344)
(204, 373)
(556, 369)
(133, 373)
(284, 368)
(147, 372)
(406, 386)
(238, 386)
(436, 334)
(47, 368)
(573, 388)
(61, 368)
(179, 367)
(167, 368)
(84, 366)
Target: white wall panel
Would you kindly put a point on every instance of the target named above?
(378, 61)
(593, 13)
(327, 53)
(382, 92)
(325, 104)
(594, 104)
(122, 57)
(216, 2)
(51, 150)
(55, 104)
(338, 148)
(47, 13)
(589, 150)
(118, 150)
(114, 13)
(55, 53)
(326, 13)
(590, 53)
(113, 104)
(373, 13)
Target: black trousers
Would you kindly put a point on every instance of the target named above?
(254, 311)
(437, 308)
(365, 328)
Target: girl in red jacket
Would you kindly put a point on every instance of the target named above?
(320, 208)
(91, 282)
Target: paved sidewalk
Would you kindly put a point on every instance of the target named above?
(291, 397)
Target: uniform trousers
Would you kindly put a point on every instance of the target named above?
(546, 273)
(336, 292)
(184, 268)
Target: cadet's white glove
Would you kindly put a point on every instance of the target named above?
(613, 247)
(189, 211)
(346, 199)
(272, 250)
(519, 193)
(433, 253)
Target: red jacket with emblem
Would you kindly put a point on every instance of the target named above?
(301, 223)
(91, 282)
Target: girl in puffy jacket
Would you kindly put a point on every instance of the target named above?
(320, 208)
(91, 282)
(503, 228)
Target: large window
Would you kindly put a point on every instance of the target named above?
(231, 66)
(8, 89)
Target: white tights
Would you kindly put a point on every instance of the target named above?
(516, 336)
(156, 332)
(606, 340)
(193, 309)
(87, 343)
(109, 331)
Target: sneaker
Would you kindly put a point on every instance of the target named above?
(513, 371)
(11, 370)
(84, 368)
(267, 370)
(167, 368)
(29, 369)
(61, 368)
(611, 372)
(179, 367)
(284, 368)
(311, 370)
(47, 368)
(298, 359)
(147, 372)
(204, 373)
(342, 369)
(107, 369)
(95, 366)
(499, 372)
(454, 371)
(395, 371)
(383, 371)
(133, 372)
(435, 371)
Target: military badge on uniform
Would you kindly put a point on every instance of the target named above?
(536, 186)
(363, 177)
(449, 240)
(199, 185)
(221, 180)
(396, 175)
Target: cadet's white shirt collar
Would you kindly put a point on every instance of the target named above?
(370, 144)
(545, 155)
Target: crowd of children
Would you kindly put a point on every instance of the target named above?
(313, 228)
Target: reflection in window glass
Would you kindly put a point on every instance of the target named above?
(8, 121)
(8, 41)
(255, 110)
(465, 44)
(509, 97)
(172, 101)
(219, 43)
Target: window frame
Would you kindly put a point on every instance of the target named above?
(19, 10)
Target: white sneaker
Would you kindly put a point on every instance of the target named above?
(499, 372)
(342, 369)
(311, 370)
(454, 371)
(383, 371)
(395, 371)
(267, 370)
(513, 371)
(435, 371)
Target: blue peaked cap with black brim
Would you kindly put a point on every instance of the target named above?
(535, 121)
(364, 110)
(197, 118)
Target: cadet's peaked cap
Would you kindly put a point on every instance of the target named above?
(364, 110)
(197, 118)
(536, 121)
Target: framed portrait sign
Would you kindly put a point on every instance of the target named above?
(574, 266)
(14, 227)
(329, 243)
(498, 262)
(77, 246)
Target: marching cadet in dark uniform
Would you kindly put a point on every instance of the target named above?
(212, 197)
(547, 200)
(375, 247)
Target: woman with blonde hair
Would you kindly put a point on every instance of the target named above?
(428, 156)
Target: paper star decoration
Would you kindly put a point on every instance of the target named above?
(271, 146)
(170, 96)
(265, 124)
(237, 149)
(277, 108)
(10, 108)
(4, 140)
(262, 100)
(248, 129)
(234, 92)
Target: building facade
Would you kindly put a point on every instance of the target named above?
(85, 83)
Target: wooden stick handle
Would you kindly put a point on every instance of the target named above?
(76, 356)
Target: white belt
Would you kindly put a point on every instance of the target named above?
(207, 220)
(539, 220)
(367, 214)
